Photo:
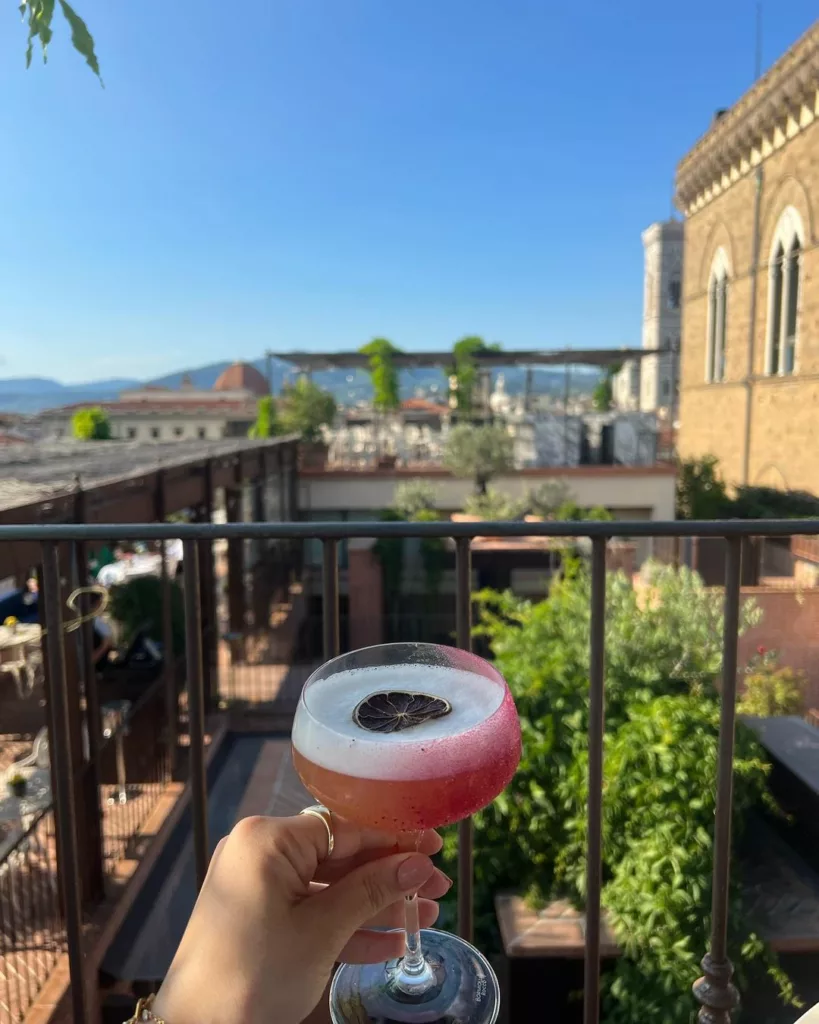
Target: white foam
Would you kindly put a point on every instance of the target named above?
(327, 734)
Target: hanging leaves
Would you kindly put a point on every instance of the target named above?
(38, 14)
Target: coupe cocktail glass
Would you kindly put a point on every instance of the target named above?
(405, 737)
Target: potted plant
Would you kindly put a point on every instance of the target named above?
(544, 501)
(305, 408)
(17, 784)
(479, 452)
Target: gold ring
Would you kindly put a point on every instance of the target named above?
(325, 817)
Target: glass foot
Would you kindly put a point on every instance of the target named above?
(465, 990)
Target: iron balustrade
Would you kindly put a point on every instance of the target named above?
(714, 991)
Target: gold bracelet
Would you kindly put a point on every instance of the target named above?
(143, 1012)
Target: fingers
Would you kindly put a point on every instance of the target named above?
(344, 907)
(367, 947)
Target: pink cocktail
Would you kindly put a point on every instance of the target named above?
(405, 737)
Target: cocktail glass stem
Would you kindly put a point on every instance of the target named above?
(414, 975)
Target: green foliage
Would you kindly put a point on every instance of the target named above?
(571, 512)
(478, 452)
(390, 553)
(770, 690)
(494, 506)
(701, 492)
(663, 653)
(465, 370)
(266, 424)
(306, 408)
(39, 15)
(414, 496)
(433, 551)
(137, 604)
(91, 424)
(546, 499)
(383, 374)
(769, 503)
(603, 394)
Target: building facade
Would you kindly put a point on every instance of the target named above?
(652, 383)
(750, 339)
(186, 413)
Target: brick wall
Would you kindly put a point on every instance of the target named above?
(784, 410)
(790, 625)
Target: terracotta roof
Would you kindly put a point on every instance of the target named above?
(180, 406)
(242, 375)
(422, 405)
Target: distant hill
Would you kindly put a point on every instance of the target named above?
(31, 395)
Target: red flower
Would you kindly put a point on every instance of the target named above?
(761, 651)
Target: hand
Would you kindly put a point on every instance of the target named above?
(275, 915)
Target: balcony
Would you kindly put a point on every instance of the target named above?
(125, 803)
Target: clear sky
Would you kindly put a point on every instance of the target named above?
(310, 173)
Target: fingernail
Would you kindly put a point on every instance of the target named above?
(414, 871)
(446, 878)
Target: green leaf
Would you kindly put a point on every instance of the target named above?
(81, 38)
(40, 13)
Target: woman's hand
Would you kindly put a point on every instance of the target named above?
(275, 915)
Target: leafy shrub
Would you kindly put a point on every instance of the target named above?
(465, 370)
(414, 496)
(769, 690)
(662, 721)
(305, 409)
(494, 506)
(383, 374)
(572, 512)
(266, 424)
(546, 499)
(91, 424)
(478, 452)
(137, 604)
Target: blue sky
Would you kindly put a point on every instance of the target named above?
(310, 173)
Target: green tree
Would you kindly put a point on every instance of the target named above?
(465, 370)
(478, 452)
(266, 424)
(306, 408)
(39, 14)
(494, 506)
(603, 394)
(91, 424)
(414, 496)
(662, 719)
(383, 374)
(701, 492)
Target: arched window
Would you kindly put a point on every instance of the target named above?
(717, 318)
(783, 294)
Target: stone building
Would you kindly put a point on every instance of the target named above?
(152, 413)
(749, 190)
(651, 384)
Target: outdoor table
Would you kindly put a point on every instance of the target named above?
(20, 810)
(13, 656)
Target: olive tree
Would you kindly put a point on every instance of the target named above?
(478, 452)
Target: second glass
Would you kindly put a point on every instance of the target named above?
(406, 737)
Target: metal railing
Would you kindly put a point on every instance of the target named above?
(715, 991)
(32, 931)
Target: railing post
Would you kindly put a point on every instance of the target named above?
(716, 994)
(594, 850)
(168, 652)
(329, 599)
(196, 710)
(63, 775)
(463, 638)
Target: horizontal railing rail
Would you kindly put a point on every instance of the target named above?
(715, 991)
(350, 530)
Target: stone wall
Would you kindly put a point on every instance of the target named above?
(784, 410)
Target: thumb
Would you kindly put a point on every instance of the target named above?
(344, 907)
